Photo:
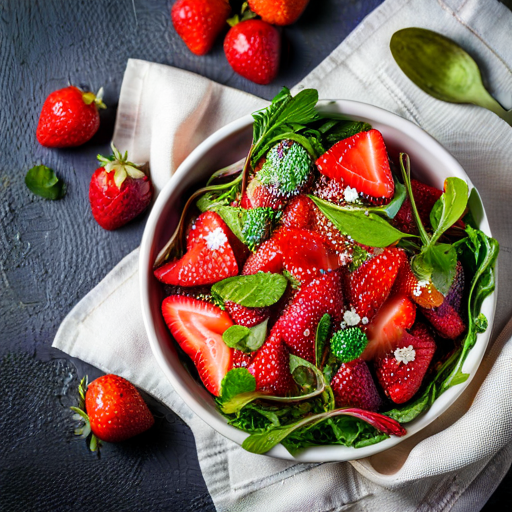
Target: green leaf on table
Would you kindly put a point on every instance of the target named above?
(246, 339)
(363, 226)
(42, 181)
(253, 291)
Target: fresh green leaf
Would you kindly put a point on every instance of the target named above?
(294, 282)
(449, 207)
(233, 217)
(306, 375)
(359, 256)
(481, 323)
(246, 339)
(235, 336)
(334, 131)
(437, 263)
(42, 181)
(322, 336)
(236, 381)
(253, 291)
(368, 229)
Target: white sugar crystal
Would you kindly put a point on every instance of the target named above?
(350, 195)
(351, 317)
(216, 239)
(419, 287)
(405, 355)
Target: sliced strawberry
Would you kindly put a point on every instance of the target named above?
(248, 317)
(369, 286)
(353, 386)
(422, 293)
(361, 162)
(425, 197)
(268, 258)
(242, 359)
(387, 328)
(306, 253)
(198, 326)
(401, 371)
(299, 322)
(209, 258)
(271, 367)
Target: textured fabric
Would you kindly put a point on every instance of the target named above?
(456, 462)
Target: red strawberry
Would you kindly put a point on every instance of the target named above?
(210, 257)
(361, 162)
(253, 48)
(299, 322)
(305, 253)
(456, 291)
(422, 293)
(425, 198)
(268, 258)
(401, 372)
(258, 195)
(387, 328)
(278, 12)
(271, 367)
(369, 286)
(333, 236)
(198, 326)
(330, 190)
(69, 118)
(118, 191)
(353, 386)
(115, 409)
(299, 213)
(242, 359)
(199, 22)
(248, 317)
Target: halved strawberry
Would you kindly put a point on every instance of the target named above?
(353, 386)
(268, 258)
(299, 322)
(425, 197)
(369, 286)
(306, 253)
(422, 293)
(387, 328)
(401, 371)
(210, 256)
(271, 367)
(248, 317)
(198, 326)
(361, 162)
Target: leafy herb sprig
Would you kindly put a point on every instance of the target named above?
(437, 262)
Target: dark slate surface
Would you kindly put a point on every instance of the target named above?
(53, 253)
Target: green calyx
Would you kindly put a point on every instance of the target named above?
(348, 344)
(83, 430)
(258, 226)
(120, 165)
(245, 14)
(287, 167)
(97, 99)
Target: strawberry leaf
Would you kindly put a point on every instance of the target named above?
(246, 339)
(322, 336)
(253, 291)
(42, 181)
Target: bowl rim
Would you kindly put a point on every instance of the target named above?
(328, 453)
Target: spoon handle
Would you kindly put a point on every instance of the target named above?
(488, 102)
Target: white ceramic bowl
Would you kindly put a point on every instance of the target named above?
(431, 163)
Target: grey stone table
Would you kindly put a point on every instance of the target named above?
(53, 253)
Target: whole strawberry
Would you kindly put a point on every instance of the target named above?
(199, 22)
(69, 117)
(253, 49)
(112, 409)
(278, 12)
(118, 191)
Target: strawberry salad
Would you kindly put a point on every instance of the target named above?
(323, 295)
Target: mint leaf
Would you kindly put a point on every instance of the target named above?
(367, 229)
(449, 208)
(236, 381)
(246, 339)
(42, 181)
(437, 263)
(253, 291)
(322, 335)
(294, 282)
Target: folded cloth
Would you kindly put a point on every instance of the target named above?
(455, 463)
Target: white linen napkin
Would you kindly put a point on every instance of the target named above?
(455, 463)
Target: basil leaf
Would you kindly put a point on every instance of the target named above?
(449, 208)
(233, 217)
(438, 263)
(246, 339)
(368, 229)
(42, 181)
(322, 335)
(253, 291)
(236, 381)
